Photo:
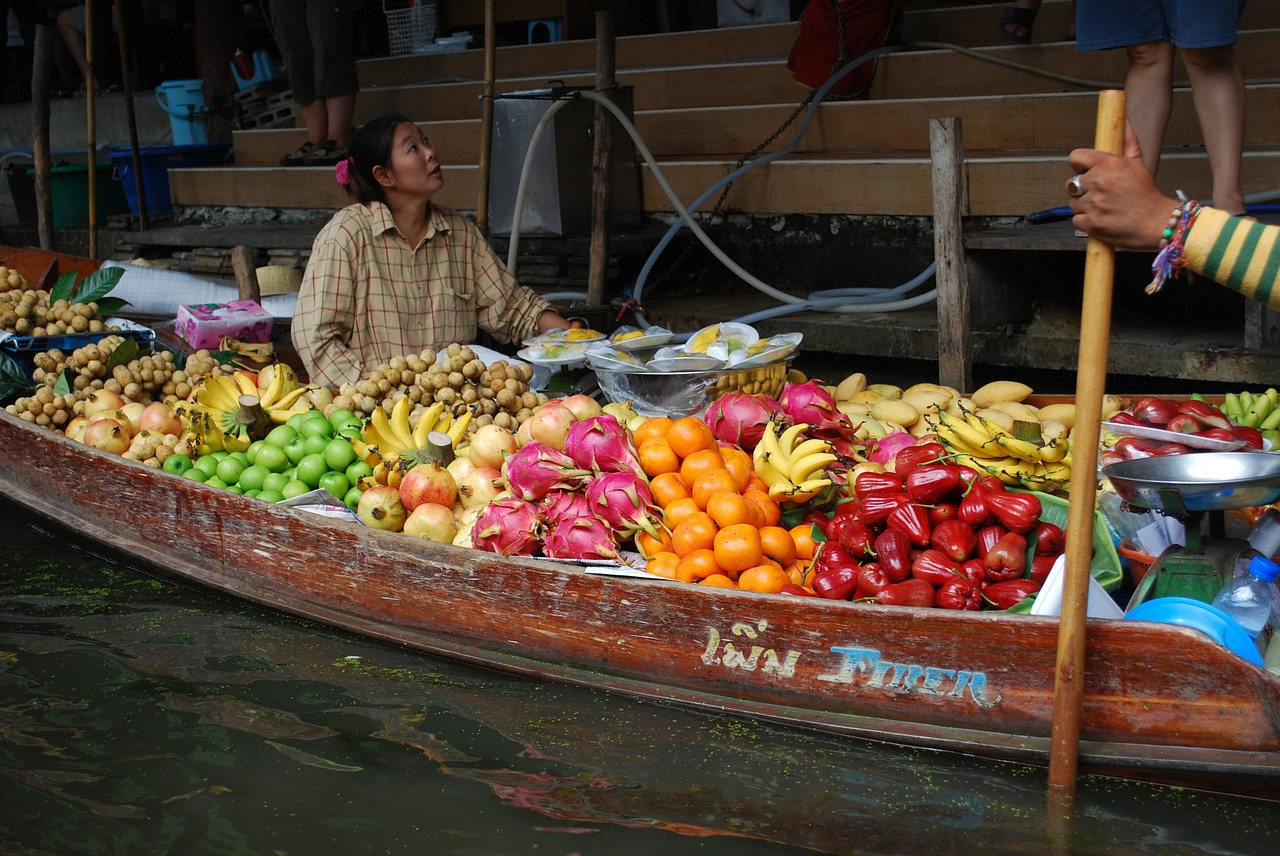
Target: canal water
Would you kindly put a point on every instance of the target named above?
(138, 716)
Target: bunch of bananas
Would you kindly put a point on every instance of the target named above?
(981, 444)
(792, 467)
(1255, 410)
(214, 405)
(390, 444)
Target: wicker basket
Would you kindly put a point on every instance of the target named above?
(411, 26)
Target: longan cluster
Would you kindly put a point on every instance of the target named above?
(27, 312)
(152, 448)
(498, 393)
(138, 380)
(45, 408)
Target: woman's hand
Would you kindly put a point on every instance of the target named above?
(552, 320)
(1119, 201)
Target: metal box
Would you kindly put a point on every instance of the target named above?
(558, 197)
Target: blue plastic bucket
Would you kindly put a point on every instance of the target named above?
(263, 70)
(183, 100)
(156, 161)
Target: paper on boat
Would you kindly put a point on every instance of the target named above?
(1049, 599)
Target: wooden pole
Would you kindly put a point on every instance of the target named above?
(955, 339)
(486, 116)
(1095, 330)
(245, 272)
(91, 128)
(126, 80)
(41, 72)
(601, 160)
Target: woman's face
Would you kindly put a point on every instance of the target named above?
(414, 168)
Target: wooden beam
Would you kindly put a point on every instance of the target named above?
(41, 74)
(955, 346)
(601, 161)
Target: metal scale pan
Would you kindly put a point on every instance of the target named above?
(1183, 485)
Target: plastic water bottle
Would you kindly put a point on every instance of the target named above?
(1249, 599)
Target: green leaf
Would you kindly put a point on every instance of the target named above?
(64, 385)
(64, 287)
(124, 352)
(111, 305)
(13, 380)
(1027, 431)
(98, 284)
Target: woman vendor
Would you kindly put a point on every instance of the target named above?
(1115, 198)
(393, 274)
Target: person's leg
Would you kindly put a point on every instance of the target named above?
(341, 111)
(70, 20)
(1149, 96)
(1217, 89)
(1018, 19)
(315, 117)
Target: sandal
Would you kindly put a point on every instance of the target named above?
(1016, 16)
(298, 156)
(327, 155)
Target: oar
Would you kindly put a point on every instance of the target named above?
(1095, 330)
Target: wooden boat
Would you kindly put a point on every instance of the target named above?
(1161, 702)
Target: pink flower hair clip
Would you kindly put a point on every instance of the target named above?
(342, 172)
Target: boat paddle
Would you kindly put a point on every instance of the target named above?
(1095, 330)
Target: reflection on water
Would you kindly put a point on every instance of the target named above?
(137, 716)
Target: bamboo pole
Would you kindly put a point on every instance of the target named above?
(126, 78)
(41, 72)
(601, 160)
(91, 128)
(1095, 330)
(486, 116)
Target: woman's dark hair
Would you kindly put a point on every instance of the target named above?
(371, 147)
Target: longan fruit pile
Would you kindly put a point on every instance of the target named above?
(152, 449)
(45, 408)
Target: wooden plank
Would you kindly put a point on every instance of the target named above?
(456, 139)
(954, 335)
(293, 187)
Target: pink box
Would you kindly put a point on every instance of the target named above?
(204, 325)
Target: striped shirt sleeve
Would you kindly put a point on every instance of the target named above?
(1241, 254)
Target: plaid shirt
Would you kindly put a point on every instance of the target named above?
(368, 296)
(1240, 254)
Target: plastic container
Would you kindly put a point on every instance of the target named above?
(263, 70)
(1139, 562)
(1250, 598)
(156, 161)
(1213, 622)
(69, 193)
(183, 100)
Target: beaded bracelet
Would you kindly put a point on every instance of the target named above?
(1169, 259)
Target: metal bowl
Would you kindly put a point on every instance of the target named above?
(676, 394)
(1198, 481)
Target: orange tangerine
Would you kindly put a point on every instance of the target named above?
(767, 578)
(654, 426)
(777, 544)
(741, 466)
(668, 487)
(697, 565)
(727, 508)
(689, 434)
(700, 462)
(719, 580)
(675, 512)
(656, 458)
(737, 547)
(650, 546)
(756, 483)
(695, 532)
(770, 511)
(663, 565)
(710, 483)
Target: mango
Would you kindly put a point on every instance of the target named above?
(855, 382)
(895, 410)
(1064, 413)
(1000, 390)
(886, 390)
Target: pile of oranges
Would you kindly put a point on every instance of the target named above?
(722, 526)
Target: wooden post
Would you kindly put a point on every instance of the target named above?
(1095, 330)
(91, 129)
(246, 272)
(486, 117)
(41, 71)
(601, 160)
(126, 81)
(955, 338)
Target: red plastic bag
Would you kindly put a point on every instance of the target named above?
(817, 53)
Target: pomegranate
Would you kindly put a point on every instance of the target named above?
(583, 538)
(112, 416)
(537, 469)
(582, 406)
(479, 487)
(103, 399)
(508, 526)
(491, 445)
(380, 508)
(459, 467)
(107, 435)
(522, 433)
(428, 482)
(75, 428)
(601, 444)
(159, 416)
(432, 522)
(550, 424)
(132, 412)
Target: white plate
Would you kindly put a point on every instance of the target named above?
(731, 334)
(562, 337)
(1189, 440)
(560, 358)
(648, 340)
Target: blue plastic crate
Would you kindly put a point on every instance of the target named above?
(25, 348)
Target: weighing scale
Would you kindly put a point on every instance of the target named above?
(1189, 487)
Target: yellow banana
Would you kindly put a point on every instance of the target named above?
(1014, 473)
(768, 447)
(770, 474)
(809, 447)
(289, 399)
(367, 453)
(960, 437)
(459, 428)
(389, 444)
(400, 421)
(788, 439)
(802, 469)
(443, 423)
(267, 397)
(426, 422)
(280, 415)
(1055, 451)
(245, 384)
(1023, 450)
(219, 392)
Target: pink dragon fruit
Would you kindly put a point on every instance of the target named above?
(602, 444)
(536, 469)
(624, 501)
(809, 402)
(740, 418)
(560, 505)
(508, 526)
(584, 538)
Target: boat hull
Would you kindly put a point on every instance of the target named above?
(1160, 702)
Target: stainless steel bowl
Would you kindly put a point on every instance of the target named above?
(678, 394)
(1198, 481)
